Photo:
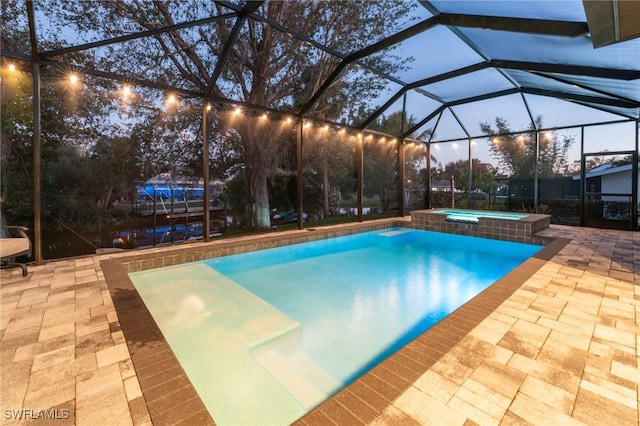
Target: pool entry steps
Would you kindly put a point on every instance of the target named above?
(306, 381)
(516, 227)
(231, 327)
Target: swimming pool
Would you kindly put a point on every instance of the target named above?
(266, 336)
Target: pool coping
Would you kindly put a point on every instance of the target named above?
(169, 395)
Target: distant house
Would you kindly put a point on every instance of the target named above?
(441, 186)
(610, 179)
(611, 184)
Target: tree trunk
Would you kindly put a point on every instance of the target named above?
(262, 143)
(325, 190)
(257, 207)
(107, 198)
(385, 200)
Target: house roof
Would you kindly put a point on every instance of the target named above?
(606, 169)
(441, 184)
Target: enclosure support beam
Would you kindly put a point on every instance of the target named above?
(37, 168)
(37, 144)
(299, 134)
(583, 174)
(403, 198)
(205, 171)
(526, 105)
(359, 173)
(634, 182)
(466, 132)
(470, 180)
(401, 146)
(535, 173)
(428, 178)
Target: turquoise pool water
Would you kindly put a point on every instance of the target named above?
(266, 336)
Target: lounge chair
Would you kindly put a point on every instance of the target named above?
(14, 242)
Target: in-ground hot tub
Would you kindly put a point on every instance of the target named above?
(518, 227)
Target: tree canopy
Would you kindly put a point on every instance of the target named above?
(100, 137)
(516, 152)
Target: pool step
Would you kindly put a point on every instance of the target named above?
(394, 232)
(300, 375)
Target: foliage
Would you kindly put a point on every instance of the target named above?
(482, 175)
(264, 66)
(517, 153)
(594, 161)
(380, 176)
(97, 144)
(381, 160)
(542, 209)
(328, 157)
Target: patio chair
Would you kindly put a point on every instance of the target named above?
(14, 242)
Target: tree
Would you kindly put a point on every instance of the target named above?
(517, 153)
(482, 175)
(381, 159)
(112, 169)
(264, 66)
(81, 175)
(328, 161)
(380, 170)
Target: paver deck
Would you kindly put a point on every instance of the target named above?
(562, 348)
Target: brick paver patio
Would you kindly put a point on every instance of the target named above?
(564, 348)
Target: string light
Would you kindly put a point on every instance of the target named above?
(12, 67)
(209, 107)
(171, 99)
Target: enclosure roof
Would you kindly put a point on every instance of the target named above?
(462, 62)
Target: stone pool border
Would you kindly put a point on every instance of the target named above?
(169, 395)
